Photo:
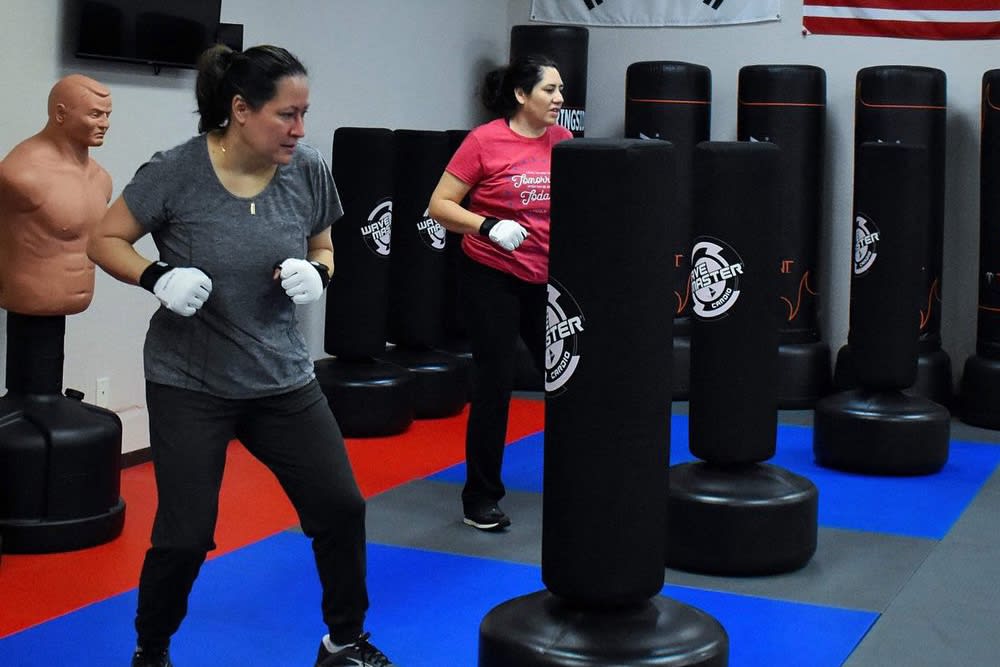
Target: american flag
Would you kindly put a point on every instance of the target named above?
(918, 19)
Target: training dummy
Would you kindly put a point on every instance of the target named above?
(52, 194)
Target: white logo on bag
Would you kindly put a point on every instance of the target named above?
(715, 277)
(378, 232)
(431, 232)
(563, 327)
(866, 237)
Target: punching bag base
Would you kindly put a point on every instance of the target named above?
(541, 629)
(980, 392)
(369, 398)
(440, 380)
(681, 370)
(60, 474)
(742, 520)
(803, 374)
(881, 433)
(934, 378)
(47, 537)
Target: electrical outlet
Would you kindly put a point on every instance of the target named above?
(101, 391)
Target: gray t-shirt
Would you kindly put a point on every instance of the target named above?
(244, 342)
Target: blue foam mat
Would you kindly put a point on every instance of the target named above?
(260, 606)
(925, 506)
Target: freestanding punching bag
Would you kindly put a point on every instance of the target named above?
(731, 513)
(786, 105)
(673, 101)
(369, 397)
(877, 428)
(567, 47)
(417, 276)
(60, 458)
(606, 366)
(456, 334)
(980, 387)
(907, 104)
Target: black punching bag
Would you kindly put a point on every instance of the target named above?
(673, 101)
(980, 392)
(732, 514)
(567, 47)
(60, 458)
(907, 104)
(368, 397)
(606, 367)
(786, 105)
(417, 278)
(876, 428)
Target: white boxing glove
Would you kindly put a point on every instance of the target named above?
(303, 280)
(182, 290)
(508, 234)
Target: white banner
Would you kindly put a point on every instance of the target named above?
(647, 13)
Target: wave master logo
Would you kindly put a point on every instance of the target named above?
(715, 277)
(378, 232)
(563, 327)
(865, 244)
(431, 232)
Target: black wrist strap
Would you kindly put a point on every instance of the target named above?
(152, 273)
(324, 272)
(484, 229)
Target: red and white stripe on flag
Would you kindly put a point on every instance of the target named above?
(918, 19)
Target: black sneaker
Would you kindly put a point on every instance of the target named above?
(487, 518)
(154, 658)
(359, 654)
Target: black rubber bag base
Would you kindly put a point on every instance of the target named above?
(803, 374)
(742, 520)
(881, 433)
(441, 380)
(542, 629)
(980, 392)
(60, 474)
(369, 398)
(934, 380)
(49, 536)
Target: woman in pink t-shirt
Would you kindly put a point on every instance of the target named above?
(503, 169)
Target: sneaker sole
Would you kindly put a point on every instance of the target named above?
(496, 525)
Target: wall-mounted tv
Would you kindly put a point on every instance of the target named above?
(162, 33)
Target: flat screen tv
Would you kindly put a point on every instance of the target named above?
(162, 33)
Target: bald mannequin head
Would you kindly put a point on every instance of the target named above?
(79, 108)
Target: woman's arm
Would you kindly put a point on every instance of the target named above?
(446, 206)
(321, 249)
(111, 244)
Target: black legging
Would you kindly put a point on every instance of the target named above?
(498, 308)
(296, 436)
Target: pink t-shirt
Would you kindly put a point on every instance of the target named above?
(509, 175)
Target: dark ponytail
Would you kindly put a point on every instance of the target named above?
(252, 74)
(497, 93)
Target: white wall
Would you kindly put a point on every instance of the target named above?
(377, 63)
(725, 49)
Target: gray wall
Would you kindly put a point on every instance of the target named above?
(399, 63)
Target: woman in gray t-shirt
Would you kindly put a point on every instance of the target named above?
(241, 217)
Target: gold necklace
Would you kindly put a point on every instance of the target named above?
(253, 204)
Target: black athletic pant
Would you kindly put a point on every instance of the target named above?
(498, 308)
(296, 436)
